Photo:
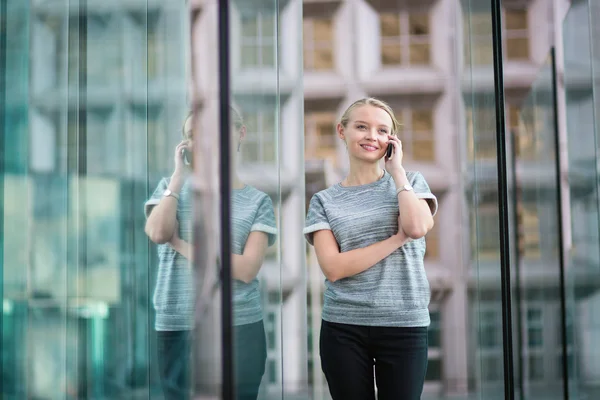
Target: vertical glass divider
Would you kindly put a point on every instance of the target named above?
(228, 391)
(503, 201)
(3, 64)
(517, 253)
(561, 252)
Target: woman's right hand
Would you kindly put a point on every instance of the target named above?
(179, 159)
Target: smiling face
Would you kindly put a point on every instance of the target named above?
(366, 132)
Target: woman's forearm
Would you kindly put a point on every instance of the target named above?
(161, 222)
(338, 265)
(415, 215)
(183, 248)
(244, 267)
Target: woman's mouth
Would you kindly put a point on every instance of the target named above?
(368, 147)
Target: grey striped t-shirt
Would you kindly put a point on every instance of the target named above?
(252, 210)
(393, 292)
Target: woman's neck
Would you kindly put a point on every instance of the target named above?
(363, 175)
(236, 182)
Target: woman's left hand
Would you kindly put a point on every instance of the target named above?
(394, 163)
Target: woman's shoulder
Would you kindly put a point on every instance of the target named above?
(326, 195)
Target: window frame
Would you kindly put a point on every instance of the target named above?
(405, 39)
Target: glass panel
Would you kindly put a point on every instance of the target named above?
(485, 301)
(581, 69)
(85, 155)
(390, 24)
(515, 19)
(418, 24)
(318, 43)
(517, 48)
(419, 53)
(266, 193)
(391, 54)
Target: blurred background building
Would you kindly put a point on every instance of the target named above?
(98, 90)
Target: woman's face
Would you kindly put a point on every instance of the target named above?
(237, 134)
(187, 129)
(366, 133)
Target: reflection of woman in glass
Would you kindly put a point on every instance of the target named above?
(253, 229)
(368, 233)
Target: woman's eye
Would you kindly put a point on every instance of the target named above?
(361, 126)
(384, 131)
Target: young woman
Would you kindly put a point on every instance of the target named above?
(368, 233)
(169, 225)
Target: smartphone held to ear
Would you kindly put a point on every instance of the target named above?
(187, 156)
(389, 151)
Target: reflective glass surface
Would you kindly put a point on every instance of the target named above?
(581, 91)
(485, 305)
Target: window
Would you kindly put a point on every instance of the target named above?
(521, 126)
(516, 34)
(405, 39)
(534, 327)
(434, 332)
(258, 41)
(318, 44)
(159, 146)
(478, 37)
(259, 146)
(104, 63)
(529, 230)
(320, 136)
(433, 243)
(481, 129)
(155, 52)
(434, 337)
(490, 341)
(485, 239)
(481, 120)
(272, 323)
(416, 132)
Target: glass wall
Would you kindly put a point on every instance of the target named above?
(152, 200)
(485, 296)
(582, 274)
(538, 243)
(95, 96)
(113, 247)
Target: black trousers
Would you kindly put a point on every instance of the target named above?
(250, 352)
(174, 363)
(349, 353)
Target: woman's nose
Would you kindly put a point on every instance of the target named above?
(371, 134)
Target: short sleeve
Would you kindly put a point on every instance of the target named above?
(422, 191)
(264, 221)
(316, 219)
(156, 196)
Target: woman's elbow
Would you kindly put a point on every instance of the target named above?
(417, 232)
(158, 236)
(331, 274)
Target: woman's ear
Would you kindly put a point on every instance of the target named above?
(340, 131)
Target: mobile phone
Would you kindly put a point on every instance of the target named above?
(389, 151)
(187, 156)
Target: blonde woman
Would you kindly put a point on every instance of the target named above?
(169, 213)
(368, 232)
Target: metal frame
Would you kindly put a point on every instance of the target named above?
(503, 201)
(228, 389)
(561, 250)
(3, 33)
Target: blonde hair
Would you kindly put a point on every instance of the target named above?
(371, 101)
